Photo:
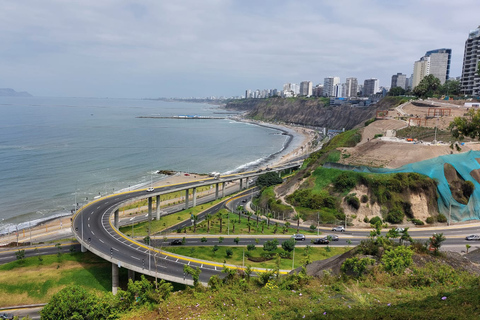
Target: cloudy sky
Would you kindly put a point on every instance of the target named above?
(182, 48)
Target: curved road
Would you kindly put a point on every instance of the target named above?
(93, 227)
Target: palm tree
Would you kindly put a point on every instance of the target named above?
(208, 217)
(297, 217)
(249, 215)
(275, 228)
(269, 216)
(286, 226)
(220, 217)
(249, 225)
(194, 218)
(240, 210)
(263, 225)
(256, 213)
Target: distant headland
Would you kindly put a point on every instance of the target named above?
(7, 92)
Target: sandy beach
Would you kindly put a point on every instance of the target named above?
(298, 144)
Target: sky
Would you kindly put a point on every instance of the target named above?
(200, 48)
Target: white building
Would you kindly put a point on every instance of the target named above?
(435, 62)
(399, 80)
(351, 87)
(306, 88)
(470, 78)
(329, 86)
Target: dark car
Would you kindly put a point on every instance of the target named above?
(332, 237)
(6, 316)
(176, 242)
(321, 241)
(473, 237)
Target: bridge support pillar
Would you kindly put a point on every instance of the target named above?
(115, 219)
(216, 191)
(223, 189)
(83, 248)
(115, 281)
(157, 203)
(246, 183)
(241, 184)
(131, 275)
(186, 199)
(150, 204)
(194, 196)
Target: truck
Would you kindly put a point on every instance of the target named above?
(215, 175)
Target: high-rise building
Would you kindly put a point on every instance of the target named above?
(435, 62)
(329, 86)
(339, 90)
(318, 90)
(351, 87)
(471, 59)
(399, 80)
(370, 87)
(306, 88)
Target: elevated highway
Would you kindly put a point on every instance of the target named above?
(95, 226)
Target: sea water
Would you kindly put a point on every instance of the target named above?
(58, 151)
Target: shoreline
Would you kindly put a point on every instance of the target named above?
(296, 143)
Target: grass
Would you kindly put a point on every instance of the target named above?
(164, 197)
(141, 229)
(33, 281)
(206, 253)
(377, 296)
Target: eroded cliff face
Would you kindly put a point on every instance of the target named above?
(310, 112)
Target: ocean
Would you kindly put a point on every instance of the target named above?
(55, 151)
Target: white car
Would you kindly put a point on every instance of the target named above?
(151, 189)
(473, 237)
(299, 237)
(399, 229)
(339, 229)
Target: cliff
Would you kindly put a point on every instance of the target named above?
(305, 111)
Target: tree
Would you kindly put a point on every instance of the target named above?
(269, 216)
(427, 87)
(240, 211)
(396, 91)
(392, 233)
(220, 217)
(436, 241)
(236, 240)
(72, 302)
(451, 87)
(288, 245)
(297, 218)
(405, 236)
(268, 179)
(285, 227)
(195, 273)
(270, 245)
(20, 254)
(208, 217)
(468, 126)
(249, 225)
(194, 218)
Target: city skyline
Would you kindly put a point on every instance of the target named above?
(219, 48)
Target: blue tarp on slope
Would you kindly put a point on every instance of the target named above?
(464, 163)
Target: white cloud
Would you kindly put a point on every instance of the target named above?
(213, 47)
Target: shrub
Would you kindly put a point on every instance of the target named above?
(366, 220)
(395, 216)
(288, 245)
(204, 239)
(418, 222)
(229, 252)
(374, 220)
(396, 260)
(250, 247)
(353, 201)
(355, 266)
(268, 179)
(364, 198)
(430, 220)
(345, 182)
(441, 218)
(270, 245)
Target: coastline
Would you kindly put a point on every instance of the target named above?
(295, 145)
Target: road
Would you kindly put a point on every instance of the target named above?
(94, 229)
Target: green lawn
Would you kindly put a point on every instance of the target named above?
(35, 280)
(206, 253)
